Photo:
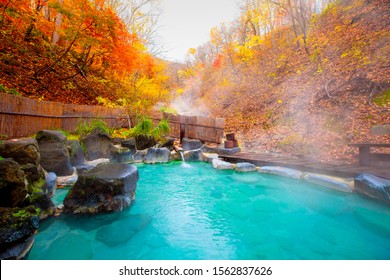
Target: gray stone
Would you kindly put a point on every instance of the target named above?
(139, 156)
(97, 145)
(175, 155)
(220, 151)
(382, 129)
(121, 155)
(130, 144)
(83, 168)
(223, 165)
(117, 140)
(245, 167)
(281, 171)
(335, 183)
(13, 185)
(191, 144)
(158, 155)
(374, 187)
(54, 152)
(23, 151)
(76, 152)
(193, 155)
(50, 186)
(106, 188)
(17, 226)
(208, 157)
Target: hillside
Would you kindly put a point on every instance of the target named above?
(308, 93)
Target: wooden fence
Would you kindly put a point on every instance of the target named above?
(21, 117)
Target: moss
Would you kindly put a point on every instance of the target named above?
(382, 99)
(37, 186)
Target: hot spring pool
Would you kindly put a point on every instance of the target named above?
(200, 213)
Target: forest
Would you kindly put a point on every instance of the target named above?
(302, 77)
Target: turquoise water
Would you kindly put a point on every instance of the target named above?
(202, 213)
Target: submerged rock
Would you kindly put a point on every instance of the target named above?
(17, 227)
(13, 185)
(335, 183)
(374, 187)
(122, 230)
(106, 188)
(158, 155)
(223, 165)
(245, 167)
(54, 152)
(191, 144)
(281, 171)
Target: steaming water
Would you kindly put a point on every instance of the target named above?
(183, 161)
(202, 213)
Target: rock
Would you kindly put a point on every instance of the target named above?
(245, 167)
(97, 145)
(220, 164)
(17, 227)
(67, 180)
(130, 144)
(383, 129)
(193, 155)
(208, 157)
(139, 156)
(13, 185)
(50, 185)
(76, 152)
(41, 201)
(98, 161)
(191, 144)
(143, 142)
(158, 155)
(374, 187)
(35, 177)
(106, 188)
(335, 183)
(83, 168)
(23, 151)
(221, 151)
(117, 140)
(54, 152)
(175, 155)
(281, 171)
(121, 155)
(169, 143)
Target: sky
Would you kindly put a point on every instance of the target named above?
(186, 24)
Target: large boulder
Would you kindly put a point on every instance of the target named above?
(144, 142)
(76, 152)
(41, 201)
(374, 187)
(35, 177)
(106, 188)
(54, 152)
(17, 228)
(221, 151)
(13, 185)
(97, 145)
(23, 151)
(130, 144)
(193, 155)
(158, 155)
(122, 155)
(191, 144)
